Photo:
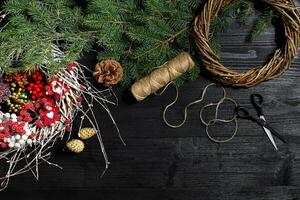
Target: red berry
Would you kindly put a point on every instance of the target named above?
(6, 131)
(4, 145)
(68, 129)
(27, 119)
(23, 112)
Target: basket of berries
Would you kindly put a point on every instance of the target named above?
(37, 110)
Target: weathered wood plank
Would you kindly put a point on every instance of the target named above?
(191, 162)
(215, 193)
(164, 163)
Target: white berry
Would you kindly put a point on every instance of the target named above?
(17, 145)
(13, 116)
(18, 137)
(24, 137)
(11, 144)
(21, 141)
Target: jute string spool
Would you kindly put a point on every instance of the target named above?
(162, 76)
(280, 61)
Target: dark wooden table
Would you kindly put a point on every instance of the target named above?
(161, 163)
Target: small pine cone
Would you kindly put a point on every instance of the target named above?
(108, 72)
(86, 133)
(76, 146)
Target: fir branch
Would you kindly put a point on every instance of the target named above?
(241, 10)
(160, 44)
(140, 34)
(34, 27)
(214, 43)
(262, 22)
(153, 33)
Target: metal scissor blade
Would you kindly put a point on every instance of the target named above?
(268, 132)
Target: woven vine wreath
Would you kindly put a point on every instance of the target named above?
(280, 61)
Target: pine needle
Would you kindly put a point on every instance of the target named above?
(262, 22)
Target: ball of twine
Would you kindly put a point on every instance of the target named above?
(162, 76)
(280, 61)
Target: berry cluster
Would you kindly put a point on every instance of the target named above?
(17, 100)
(29, 105)
(25, 88)
(36, 87)
(19, 80)
(19, 96)
(44, 113)
(14, 133)
(4, 92)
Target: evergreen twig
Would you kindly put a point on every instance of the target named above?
(262, 22)
(154, 32)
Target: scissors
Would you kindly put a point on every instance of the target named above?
(257, 102)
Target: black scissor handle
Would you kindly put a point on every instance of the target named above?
(257, 101)
(242, 112)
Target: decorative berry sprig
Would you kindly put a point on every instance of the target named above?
(14, 133)
(17, 99)
(36, 88)
(25, 88)
(31, 106)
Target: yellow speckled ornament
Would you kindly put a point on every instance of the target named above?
(87, 133)
(75, 145)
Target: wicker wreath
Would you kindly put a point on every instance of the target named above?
(280, 61)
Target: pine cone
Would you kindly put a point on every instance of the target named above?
(108, 72)
(87, 133)
(76, 146)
